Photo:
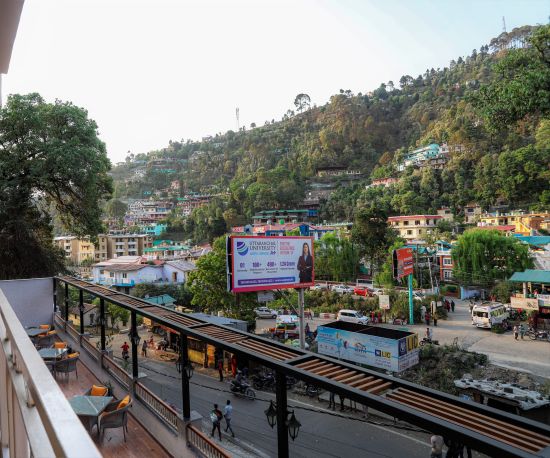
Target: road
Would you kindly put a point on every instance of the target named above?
(527, 355)
(323, 433)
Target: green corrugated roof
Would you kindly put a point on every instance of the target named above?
(533, 276)
(536, 240)
(162, 299)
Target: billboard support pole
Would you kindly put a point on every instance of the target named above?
(411, 302)
(301, 312)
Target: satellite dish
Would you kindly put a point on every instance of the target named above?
(248, 229)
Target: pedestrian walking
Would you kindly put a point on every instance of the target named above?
(234, 366)
(427, 318)
(216, 417)
(516, 332)
(423, 312)
(228, 414)
(380, 317)
(144, 349)
(331, 401)
(220, 368)
(522, 331)
(452, 306)
(437, 446)
(435, 319)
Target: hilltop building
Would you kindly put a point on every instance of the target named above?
(285, 216)
(524, 223)
(414, 227)
(116, 245)
(76, 250)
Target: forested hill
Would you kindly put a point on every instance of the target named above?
(273, 165)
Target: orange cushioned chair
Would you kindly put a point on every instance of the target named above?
(51, 333)
(44, 326)
(59, 345)
(73, 355)
(124, 402)
(98, 390)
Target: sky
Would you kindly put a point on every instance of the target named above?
(159, 70)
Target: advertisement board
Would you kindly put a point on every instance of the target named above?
(394, 355)
(402, 262)
(524, 303)
(384, 301)
(256, 263)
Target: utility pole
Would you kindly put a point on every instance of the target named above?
(503, 24)
(237, 116)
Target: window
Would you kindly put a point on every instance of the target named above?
(447, 274)
(417, 223)
(101, 272)
(111, 274)
(405, 223)
(409, 232)
(470, 210)
(124, 275)
(447, 261)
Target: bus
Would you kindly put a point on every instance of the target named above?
(488, 314)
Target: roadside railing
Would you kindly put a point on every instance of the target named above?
(73, 333)
(203, 444)
(58, 320)
(35, 417)
(116, 371)
(157, 405)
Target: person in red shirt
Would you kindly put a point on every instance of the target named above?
(125, 347)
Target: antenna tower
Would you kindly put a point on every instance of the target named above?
(503, 24)
(237, 116)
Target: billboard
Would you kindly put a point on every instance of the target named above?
(402, 262)
(257, 263)
(391, 354)
(384, 301)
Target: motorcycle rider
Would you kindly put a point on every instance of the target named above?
(125, 347)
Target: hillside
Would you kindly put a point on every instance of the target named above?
(279, 164)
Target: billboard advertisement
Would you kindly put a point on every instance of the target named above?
(256, 263)
(402, 262)
(393, 355)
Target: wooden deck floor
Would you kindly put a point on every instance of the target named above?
(139, 443)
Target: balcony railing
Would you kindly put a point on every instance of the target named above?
(35, 417)
(203, 444)
(157, 405)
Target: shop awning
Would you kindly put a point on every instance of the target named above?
(532, 276)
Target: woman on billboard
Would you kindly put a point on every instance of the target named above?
(305, 265)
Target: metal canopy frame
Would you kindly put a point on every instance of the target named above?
(506, 435)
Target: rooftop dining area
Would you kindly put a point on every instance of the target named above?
(61, 396)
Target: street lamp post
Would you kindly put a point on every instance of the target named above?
(135, 344)
(186, 374)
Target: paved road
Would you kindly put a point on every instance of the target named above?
(323, 433)
(502, 350)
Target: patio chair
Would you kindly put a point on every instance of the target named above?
(97, 390)
(60, 345)
(44, 340)
(66, 366)
(115, 416)
(46, 327)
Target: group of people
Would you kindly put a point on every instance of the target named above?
(216, 416)
(519, 330)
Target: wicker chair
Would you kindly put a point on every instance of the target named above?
(44, 341)
(66, 366)
(113, 417)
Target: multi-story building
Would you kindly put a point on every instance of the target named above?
(188, 203)
(445, 213)
(147, 211)
(285, 216)
(76, 250)
(432, 156)
(115, 245)
(305, 229)
(414, 227)
(524, 223)
(472, 212)
(444, 260)
(154, 229)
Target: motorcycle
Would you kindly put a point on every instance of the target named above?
(125, 355)
(243, 389)
(426, 341)
(264, 381)
(538, 335)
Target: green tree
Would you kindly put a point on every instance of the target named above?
(481, 257)
(372, 235)
(523, 85)
(302, 102)
(336, 258)
(118, 314)
(208, 284)
(50, 158)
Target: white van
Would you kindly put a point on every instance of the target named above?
(488, 314)
(352, 316)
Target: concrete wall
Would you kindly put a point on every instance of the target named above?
(32, 299)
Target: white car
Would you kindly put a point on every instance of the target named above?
(320, 287)
(352, 316)
(264, 312)
(342, 289)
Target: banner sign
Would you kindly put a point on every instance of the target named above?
(384, 301)
(524, 303)
(256, 263)
(394, 355)
(402, 262)
(266, 296)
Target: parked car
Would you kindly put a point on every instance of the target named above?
(352, 316)
(342, 289)
(264, 312)
(362, 291)
(320, 287)
(286, 327)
